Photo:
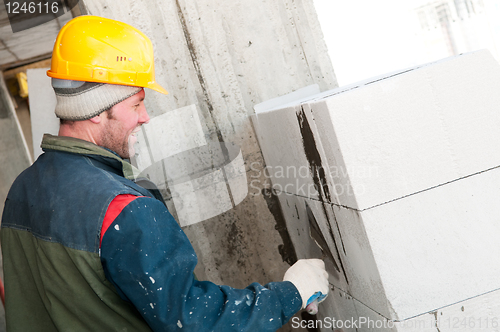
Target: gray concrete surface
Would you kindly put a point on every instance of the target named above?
(14, 153)
(225, 56)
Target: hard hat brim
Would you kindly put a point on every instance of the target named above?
(157, 87)
(153, 86)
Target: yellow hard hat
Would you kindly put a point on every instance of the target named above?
(96, 49)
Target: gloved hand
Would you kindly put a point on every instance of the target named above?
(309, 277)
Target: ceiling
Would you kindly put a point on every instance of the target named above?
(29, 45)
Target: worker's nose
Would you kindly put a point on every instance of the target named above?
(144, 116)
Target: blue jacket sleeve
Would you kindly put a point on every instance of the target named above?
(149, 259)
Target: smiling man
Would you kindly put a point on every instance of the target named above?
(113, 129)
(85, 248)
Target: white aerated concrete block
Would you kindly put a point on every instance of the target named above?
(404, 173)
(286, 163)
(480, 313)
(288, 136)
(439, 246)
(414, 130)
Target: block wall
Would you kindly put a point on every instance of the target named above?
(401, 173)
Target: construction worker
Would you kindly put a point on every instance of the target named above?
(85, 248)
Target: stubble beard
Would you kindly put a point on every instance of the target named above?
(112, 139)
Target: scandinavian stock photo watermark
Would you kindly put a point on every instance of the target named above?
(306, 180)
(467, 323)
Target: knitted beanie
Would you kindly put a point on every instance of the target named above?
(78, 100)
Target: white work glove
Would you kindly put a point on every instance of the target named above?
(310, 278)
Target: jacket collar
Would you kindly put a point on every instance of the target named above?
(78, 146)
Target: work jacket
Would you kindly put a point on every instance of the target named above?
(86, 249)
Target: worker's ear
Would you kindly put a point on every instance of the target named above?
(97, 119)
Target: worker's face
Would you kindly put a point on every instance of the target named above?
(122, 123)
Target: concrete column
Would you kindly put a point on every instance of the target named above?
(14, 152)
(218, 59)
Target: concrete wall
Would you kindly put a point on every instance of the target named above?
(14, 153)
(218, 59)
(401, 173)
(14, 156)
(43, 118)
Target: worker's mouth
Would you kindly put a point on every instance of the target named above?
(135, 131)
(133, 134)
(132, 140)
